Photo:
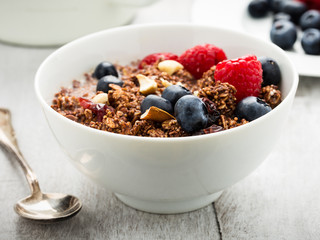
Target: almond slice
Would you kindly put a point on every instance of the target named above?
(147, 85)
(156, 114)
(165, 83)
(170, 66)
(101, 98)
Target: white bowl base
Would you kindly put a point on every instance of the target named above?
(169, 207)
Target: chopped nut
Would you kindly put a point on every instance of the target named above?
(156, 114)
(147, 85)
(165, 83)
(101, 98)
(170, 66)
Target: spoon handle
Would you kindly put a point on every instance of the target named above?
(12, 149)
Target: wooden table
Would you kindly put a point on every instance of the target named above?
(280, 200)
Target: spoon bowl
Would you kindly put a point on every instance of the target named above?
(48, 207)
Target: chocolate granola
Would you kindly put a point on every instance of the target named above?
(122, 113)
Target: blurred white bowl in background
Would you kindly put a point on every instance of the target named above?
(50, 23)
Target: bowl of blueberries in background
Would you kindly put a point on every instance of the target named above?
(173, 174)
(289, 17)
(293, 25)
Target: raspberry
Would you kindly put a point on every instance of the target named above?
(154, 57)
(97, 108)
(201, 58)
(244, 73)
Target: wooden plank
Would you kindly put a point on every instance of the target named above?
(281, 199)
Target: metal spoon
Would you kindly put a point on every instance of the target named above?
(46, 207)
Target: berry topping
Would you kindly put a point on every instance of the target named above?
(201, 58)
(156, 101)
(98, 109)
(174, 92)
(104, 82)
(154, 57)
(271, 74)
(310, 19)
(284, 34)
(191, 113)
(244, 73)
(258, 8)
(104, 69)
(251, 108)
(310, 41)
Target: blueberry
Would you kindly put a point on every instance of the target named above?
(258, 8)
(281, 16)
(295, 9)
(191, 113)
(270, 71)
(269, 4)
(310, 41)
(284, 34)
(276, 5)
(103, 83)
(156, 101)
(174, 92)
(310, 19)
(251, 108)
(104, 69)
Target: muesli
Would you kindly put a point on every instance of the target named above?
(166, 95)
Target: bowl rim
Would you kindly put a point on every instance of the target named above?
(82, 127)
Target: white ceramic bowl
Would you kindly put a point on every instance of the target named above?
(47, 23)
(152, 174)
